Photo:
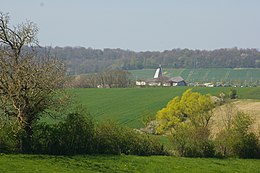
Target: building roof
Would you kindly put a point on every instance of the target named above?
(176, 79)
(159, 77)
(166, 79)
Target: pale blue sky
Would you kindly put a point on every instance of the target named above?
(141, 25)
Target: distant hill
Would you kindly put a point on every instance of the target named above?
(87, 60)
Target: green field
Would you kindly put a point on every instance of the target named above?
(244, 75)
(60, 164)
(127, 106)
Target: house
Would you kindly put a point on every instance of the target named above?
(209, 85)
(160, 80)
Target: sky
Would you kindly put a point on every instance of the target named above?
(141, 25)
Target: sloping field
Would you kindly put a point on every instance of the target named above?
(244, 75)
(153, 164)
(251, 107)
(124, 105)
(127, 106)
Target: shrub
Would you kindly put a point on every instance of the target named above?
(148, 145)
(108, 138)
(246, 146)
(236, 140)
(114, 139)
(8, 135)
(232, 93)
(46, 139)
(72, 136)
(78, 134)
(190, 141)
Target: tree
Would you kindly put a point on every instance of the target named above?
(28, 83)
(188, 118)
(192, 106)
(115, 78)
(169, 116)
(197, 107)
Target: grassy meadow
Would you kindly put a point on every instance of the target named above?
(127, 106)
(102, 163)
(244, 75)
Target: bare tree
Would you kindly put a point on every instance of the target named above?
(28, 83)
(115, 78)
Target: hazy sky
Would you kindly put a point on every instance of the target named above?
(141, 25)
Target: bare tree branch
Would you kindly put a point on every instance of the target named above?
(28, 83)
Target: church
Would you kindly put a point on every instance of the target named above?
(160, 80)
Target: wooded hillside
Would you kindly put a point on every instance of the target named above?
(86, 60)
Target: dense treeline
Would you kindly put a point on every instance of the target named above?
(81, 60)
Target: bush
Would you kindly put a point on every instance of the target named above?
(72, 136)
(236, 140)
(232, 93)
(148, 145)
(8, 135)
(108, 138)
(78, 134)
(190, 141)
(246, 146)
(114, 139)
(46, 139)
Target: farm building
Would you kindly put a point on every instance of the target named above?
(160, 80)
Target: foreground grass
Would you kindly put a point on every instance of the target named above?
(44, 163)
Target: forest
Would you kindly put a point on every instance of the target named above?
(82, 60)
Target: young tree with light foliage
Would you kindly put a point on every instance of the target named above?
(187, 118)
(192, 106)
(28, 83)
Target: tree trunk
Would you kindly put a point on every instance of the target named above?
(26, 144)
(26, 136)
